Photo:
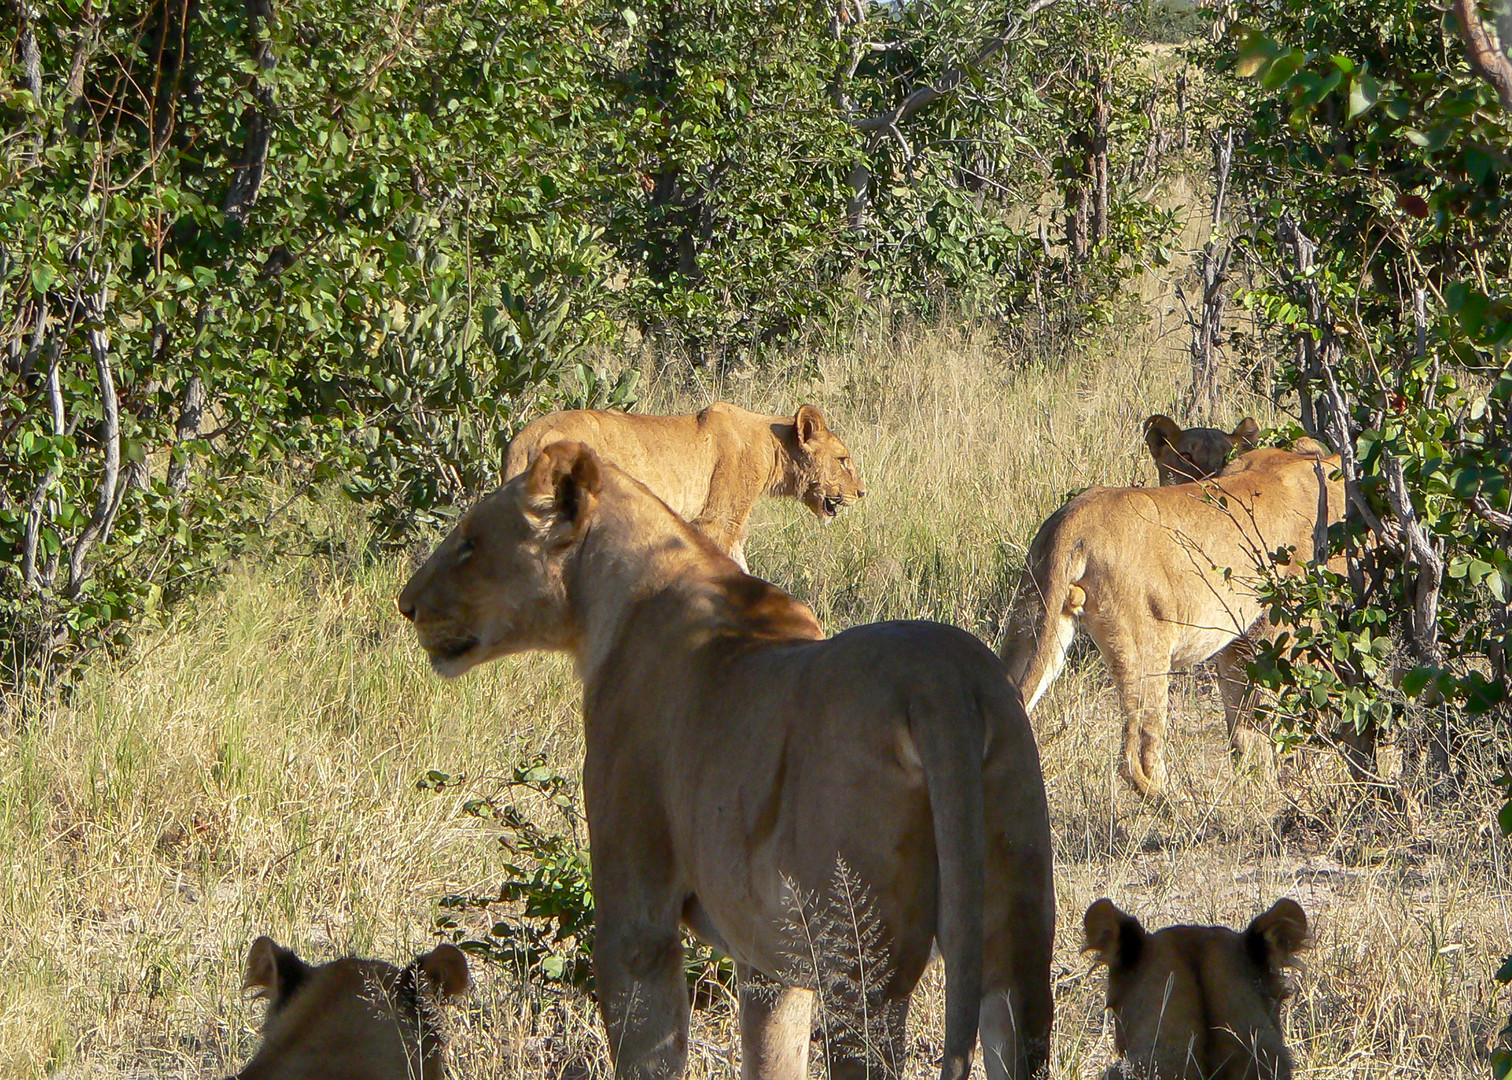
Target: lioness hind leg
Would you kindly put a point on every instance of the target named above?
(1018, 925)
(644, 998)
(1143, 690)
(1250, 746)
(867, 1043)
(774, 1027)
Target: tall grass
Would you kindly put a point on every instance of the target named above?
(253, 770)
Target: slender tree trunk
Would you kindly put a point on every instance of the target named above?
(247, 180)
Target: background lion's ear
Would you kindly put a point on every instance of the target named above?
(561, 489)
(447, 968)
(1160, 432)
(1113, 937)
(809, 423)
(1247, 435)
(273, 971)
(1277, 935)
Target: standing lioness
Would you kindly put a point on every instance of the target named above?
(740, 768)
(710, 468)
(1163, 578)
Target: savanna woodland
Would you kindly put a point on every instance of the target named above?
(279, 280)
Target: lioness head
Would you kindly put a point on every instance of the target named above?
(495, 585)
(1197, 1002)
(357, 1019)
(825, 477)
(1182, 456)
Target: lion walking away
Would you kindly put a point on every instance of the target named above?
(1164, 578)
(737, 758)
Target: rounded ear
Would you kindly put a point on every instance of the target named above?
(561, 488)
(273, 971)
(1115, 938)
(447, 968)
(1160, 432)
(808, 422)
(1247, 435)
(1278, 935)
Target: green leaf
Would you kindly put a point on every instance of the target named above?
(1364, 90)
(42, 277)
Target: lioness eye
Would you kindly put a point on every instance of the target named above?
(465, 548)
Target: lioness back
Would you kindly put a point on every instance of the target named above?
(671, 455)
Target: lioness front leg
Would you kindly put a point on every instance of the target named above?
(774, 1027)
(1238, 694)
(643, 995)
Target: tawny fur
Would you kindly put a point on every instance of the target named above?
(351, 1019)
(1197, 1002)
(737, 761)
(710, 468)
(1164, 578)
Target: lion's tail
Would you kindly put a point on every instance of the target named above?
(1046, 612)
(947, 740)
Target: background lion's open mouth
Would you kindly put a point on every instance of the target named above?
(831, 505)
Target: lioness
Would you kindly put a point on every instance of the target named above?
(1163, 578)
(1197, 1002)
(351, 1019)
(710, 468)
(1183, 455)
(741, 769)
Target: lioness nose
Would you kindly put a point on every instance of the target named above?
(860, 493)
(406, 607)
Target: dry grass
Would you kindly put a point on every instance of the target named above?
(254, 772)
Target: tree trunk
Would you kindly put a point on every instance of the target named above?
(247, 180)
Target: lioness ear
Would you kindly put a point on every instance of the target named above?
(273, 971)
(447, 968)
(1276, 936)
(1247, 435)
(561, 489)
(809, 423)
(1114, 937)
(1160, 432)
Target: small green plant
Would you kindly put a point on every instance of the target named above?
(543, 929)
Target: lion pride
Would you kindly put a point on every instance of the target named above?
(351, 1019)
(1197, 1002)
(710, 468)
(1163, 578)
(740, 767)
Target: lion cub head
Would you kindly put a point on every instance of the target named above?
(1182, 456)
(1197, 1002)
(357, 1019)
(825, 477)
